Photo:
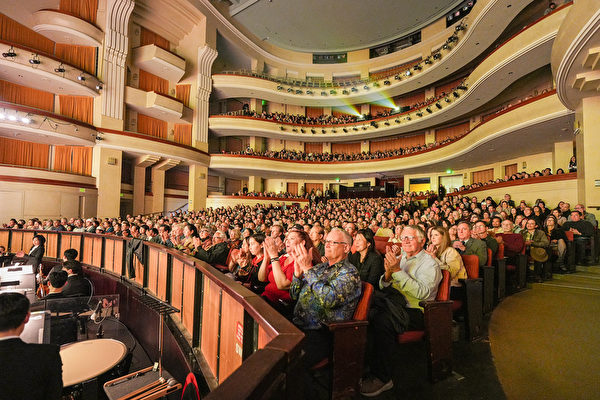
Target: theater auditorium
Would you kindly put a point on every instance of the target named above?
(268, 199)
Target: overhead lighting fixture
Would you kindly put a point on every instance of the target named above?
(345, 91)
(461, 87)
(98, 87)
(445, 47)
(290, 90)
(12, 118)
(282, 128)
(333, 92)
(447, 99)
(428, 110)
(387, 83)
(2, 116)
(345, 130)
(427, 61)
(323, 93)
(323, 131)
(364, 128)
(366, 87)
(35, 59)
(354, 90)
(10, 53)
(438, 105)
(386, 123)
(355, 128)
(408, 118)
(419, 114)
(298, 91)
(376, 84)
(309, 92)
(408, 73)
(437, 56)
(459, 28)
(313, 131)
(397, 120)
(332, 131)
(60, 69)
(417, 67)
(455, 94)
(295, 130)
(279, 87)
(26, 120)
(81, 78)
(397, 77)
(302, 130)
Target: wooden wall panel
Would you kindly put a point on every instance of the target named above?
(189, 296)
(109, 255)
(118, 260)
(88, 250)
(231, 335)
(177, 286)
(152, 265)
(52, 245)
(263, 337)
(161, 290)
(16, 243)
(139, 271)
(97, 254)
(4, 239)
(211, 302)
(27, 241)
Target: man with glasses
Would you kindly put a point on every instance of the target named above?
(327, 292)
(589, 217)
(467, 245)
(416, 275)
(215, 254)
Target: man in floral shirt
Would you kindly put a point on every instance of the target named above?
(327, 292)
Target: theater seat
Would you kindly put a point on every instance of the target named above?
(472, 302)
(381, 243)
(500, 273)
(487, 272)
(349, 340)
(516, 266)
(225, 268)
(437, 333)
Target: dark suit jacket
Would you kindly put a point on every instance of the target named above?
(216, 254)
(29, 371)
(35, 258)
(476, 247)
(76, 286)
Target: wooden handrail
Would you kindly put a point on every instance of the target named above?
(106, 254)
(518, 182)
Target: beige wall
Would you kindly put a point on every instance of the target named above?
(215, 202)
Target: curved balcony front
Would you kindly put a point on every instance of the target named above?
(63, 27)
(522, 54)
(28, 67)
(34, 125)
(529, 128)
(485, 23)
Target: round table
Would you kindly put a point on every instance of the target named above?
(85, 360)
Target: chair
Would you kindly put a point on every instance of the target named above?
(500, 273)
(437, 333)
(571, 264)
(225, 268)
(472, 303)
(381, 243)
(190, 389)
(488, 284)
(349, 340)
(516, 265)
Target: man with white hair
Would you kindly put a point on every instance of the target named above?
(215, 254)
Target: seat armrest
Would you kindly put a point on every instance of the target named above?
(335, 326)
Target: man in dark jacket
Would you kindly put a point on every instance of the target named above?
(215, 254)
(468, 245)
(583, 231)
(27, 371)
(76, 284)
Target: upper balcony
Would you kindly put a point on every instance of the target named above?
(157, 105)
(520, 55)
(529, 128)
(447, 55)
(159, 62)
(29, 67)
(35, 125)
(63, 27)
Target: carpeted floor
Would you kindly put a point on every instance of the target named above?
(545, 341)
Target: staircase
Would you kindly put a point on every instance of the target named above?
(586, 281)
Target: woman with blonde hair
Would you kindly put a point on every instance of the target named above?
(446, 256)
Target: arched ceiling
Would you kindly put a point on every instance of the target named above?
(317, 26)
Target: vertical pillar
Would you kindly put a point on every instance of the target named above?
(563, 151)
(106, 168)
(256, 105)
(430, 136)
(365, 109)
(587, 144)
(255, 184)
(158, 183)
(197, 187)
(206, 57)
(365, 146)
(116, 47)
(139, 181)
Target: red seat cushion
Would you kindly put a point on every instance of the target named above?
(456, 305)
(411, 337)
(511, 268)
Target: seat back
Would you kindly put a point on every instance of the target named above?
(489, 259)
(570, 236)
(500, 253)
(471, 265)
(381, 243)
(361, 312)
(443, 293)
(230, 254)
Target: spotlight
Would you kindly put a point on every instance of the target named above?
(282, 128)
(427, 61)
(376, 84)
(290, 90)
(419, 114)
(35, 60)
(355, 128)
(374, 124)
(459, 28)
(417, 67)
(387, 83)
(397, 77)
(408, 73)
(447, 99)
(461, 87)
(453, 38)
(302, 130)
(313, 131)
(364, 128)
(12, 118)
(397, 120)
(323, 131)
(332, 131)
(98, 87)
(298, 91)
(98, 138)
(437, 56)
(309, 92)
(445, 47)
(332, 92)
(294, 130)
(279, 87)
(2, 116)
(428, 110)
(366, 87)
(354, 90)
(345, 130)
(438, 105)
(60, 69)
(408, 118)
(25, 120)
(386, 123)
(323, 93)
(345, 91)
(455, 94)
(10, 53)
(81, 78)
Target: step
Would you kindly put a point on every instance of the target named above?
(570, 286)
(578, 277)
(594, 269)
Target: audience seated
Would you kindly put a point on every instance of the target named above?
(366, 259)
(440, 248)
(56, 283)
(536, 243)
(469, 245)
(76, 284)
(583, 231)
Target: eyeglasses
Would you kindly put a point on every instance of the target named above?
(331, 242)
(410, 238)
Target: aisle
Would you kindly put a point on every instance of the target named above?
(545, 341)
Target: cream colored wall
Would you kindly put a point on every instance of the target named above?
(278, 145)
(28, 200)
(215, 202)
(280, 185)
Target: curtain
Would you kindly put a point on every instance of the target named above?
(483, 176)
(510, 169)
(183, 134)
(27, 154)
(14, 32)
(233, 144)
(77, 107)
(182, 93)
(338, 112)
(62, 158)
(313, 147)
(308, 187)
(149, 37)
(73, 159)
(153, 83)
(314, 112)
(152, 126)
(232, 186)
(13, 93)
(447, 87)
(346, 148)
(451, 132)
(410, 99)
(397, 143)
(84, 9)
(82, 57)
(377, 108)
(292, 187)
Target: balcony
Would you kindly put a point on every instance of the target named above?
(65, 28)
(155, 105)
(28, 67)
(159, 62)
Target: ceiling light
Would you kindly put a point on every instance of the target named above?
(294, 130)
(366, 87)
(345, 130)
(387, 123)
(461, 87)
(282, 128)
(332, 91)
(313, 131)
(298, 91)
(355, 128)
(81, 78)
(345, 91)
(455, 94)
(408, 73)
(323, 131)
(445, 47)
(376, 84)
(397, 77)
(302, 130)
(10, 53)
(60, 69)
(2, 116)
(408, 118)
(417, 67)
(459, 28)
(364, 128)
(429, 110)
(437, 56)
(447, 100)
(397, 120)
(35, 60)
(309, 92)
(290, 90)
(332, 131)
(419, 114)
(427, 61)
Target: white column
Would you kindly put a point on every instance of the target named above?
(206, 57)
